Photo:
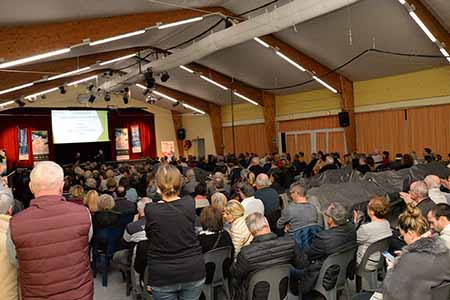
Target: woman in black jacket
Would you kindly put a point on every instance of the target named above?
(174, 258)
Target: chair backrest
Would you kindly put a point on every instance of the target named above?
(284, 200)
(273, 276)
(218, 257)
(340, 259)
(107, 239)
(377, 247)
(125, 219)
(304, 236)
(441, 292)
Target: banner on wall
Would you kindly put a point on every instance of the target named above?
(39, 143)
(135, 140)
(168, 149)
(121, 135)
(23, 144)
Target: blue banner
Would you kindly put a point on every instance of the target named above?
(23, 144)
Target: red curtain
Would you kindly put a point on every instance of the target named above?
(39, 119)
(145, 122)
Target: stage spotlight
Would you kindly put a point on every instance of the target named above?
(150, 99)
(176, 104)
(165, 76)
(43, 96)
(91, 87)
(91, 98)
(107, 97)
(62, 90)
(125, 99)
(20, 103)
(149, 79)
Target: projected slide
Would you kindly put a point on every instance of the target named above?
(79, 126)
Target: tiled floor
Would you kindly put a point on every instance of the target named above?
(115, 289)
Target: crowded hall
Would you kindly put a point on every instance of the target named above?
(225, 150)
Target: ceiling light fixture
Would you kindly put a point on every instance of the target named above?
(91, 98)
(165, 76)
(182, 22)
(246, 98)
(117, 37)
(34, 96)
(82, 80)
(165, 96)
(117, 59)
(443, 51)
(149, 79)
(33, 58)
(422, 26)
(19, 87)
(187, 69)
(69, 73)
(7, 103)
(290, 61)
(213, 82)
(261, 42)
(194, 109)
(325, 84)
(20, 103)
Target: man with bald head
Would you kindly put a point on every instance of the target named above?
(418, 194)
(50, 241)
(434, 190)
(266, 194)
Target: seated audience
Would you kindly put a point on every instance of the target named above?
(418, 196)
(339, 236)
(8, 271)
(266, 194)
(91, 184)
(255, 166)
(377, 229)
(265, 251)
(76, 194)
(423, 264)
(278, 180)
(328, 165)
(433, 183)
(439, 220)
(363, 167)
(111, 186)
(201, 201)
(91, 201)
(106, 216)
(122, 204)
(219, 200)
(190, 183)
(299, 213)
(234, 214)
(131, 193)
(212, 235)
(248, 200)
(174, 257)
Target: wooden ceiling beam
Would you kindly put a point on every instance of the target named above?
(24, 41)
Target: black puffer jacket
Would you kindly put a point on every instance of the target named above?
(264, 252)
(422, 265)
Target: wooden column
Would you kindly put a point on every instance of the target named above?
(348, 104)
(178, 124)
(269, 121)
(215, 117)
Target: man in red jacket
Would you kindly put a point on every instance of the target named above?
(50, 241)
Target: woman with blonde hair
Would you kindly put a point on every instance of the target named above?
(423, 264)
(218, 200)
(91, 201)
(174, 257)
(234, 215)
(105, 216)
(76, 194)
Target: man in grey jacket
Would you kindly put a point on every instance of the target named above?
(299, 213)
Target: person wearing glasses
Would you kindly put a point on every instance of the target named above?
(299, 213)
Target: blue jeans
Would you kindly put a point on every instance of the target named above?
(181, 291)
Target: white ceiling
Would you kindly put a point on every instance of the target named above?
(383, 24)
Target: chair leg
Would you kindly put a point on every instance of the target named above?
(208, 291)
(373, 280)
(104, 264)
(226, 288)
(358, 283)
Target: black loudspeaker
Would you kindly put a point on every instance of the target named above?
(283, 142)
(181, 134)
(344, 120)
